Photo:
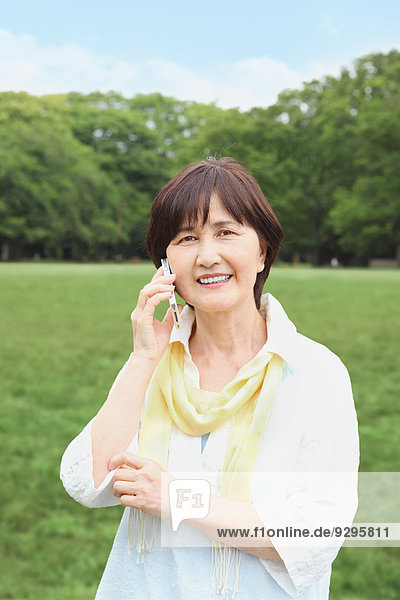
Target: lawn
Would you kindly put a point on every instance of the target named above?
(65, 332)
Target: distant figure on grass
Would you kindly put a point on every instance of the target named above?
(334, 262)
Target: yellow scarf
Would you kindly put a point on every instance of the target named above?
(247, 400)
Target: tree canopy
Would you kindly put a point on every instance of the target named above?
(78, 173)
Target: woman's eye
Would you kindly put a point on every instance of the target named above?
(189, 238)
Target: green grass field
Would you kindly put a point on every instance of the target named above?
(65, 332)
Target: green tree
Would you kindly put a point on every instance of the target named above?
(53, 195)
(366, 215)
(78, 173)
(129, 152)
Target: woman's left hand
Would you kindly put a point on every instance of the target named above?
(141, 483)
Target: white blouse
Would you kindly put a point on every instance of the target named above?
(308, 464)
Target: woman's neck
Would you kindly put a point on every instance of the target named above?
(238, 333)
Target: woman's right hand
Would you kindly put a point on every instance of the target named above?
(150, 337)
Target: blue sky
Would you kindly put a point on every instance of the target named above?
(235, 53)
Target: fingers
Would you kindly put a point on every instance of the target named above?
(124, 487)
(153, 301)
(149, 336)
(158, 273)
(126, 474)
(130, 500)
(126, 458)
(160, 285)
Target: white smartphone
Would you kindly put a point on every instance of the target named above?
(172, 300)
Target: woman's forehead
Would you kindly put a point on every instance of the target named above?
(217, 215)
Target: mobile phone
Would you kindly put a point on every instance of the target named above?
(172, 300)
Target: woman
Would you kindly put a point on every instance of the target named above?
(265, 414)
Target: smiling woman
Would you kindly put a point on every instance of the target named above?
(236, 202)
(235, 394)
(229, 254)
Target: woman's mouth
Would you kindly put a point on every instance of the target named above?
(213, 282)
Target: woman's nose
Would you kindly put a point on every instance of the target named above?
(208, 253)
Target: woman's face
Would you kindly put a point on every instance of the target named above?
(223, 247)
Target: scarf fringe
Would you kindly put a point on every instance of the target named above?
(223, 558)
(137, 532)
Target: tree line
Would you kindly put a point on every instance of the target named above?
(78, 173)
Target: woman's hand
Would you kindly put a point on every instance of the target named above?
(150, 337)
(141, 483)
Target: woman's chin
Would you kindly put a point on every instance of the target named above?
(212, 306)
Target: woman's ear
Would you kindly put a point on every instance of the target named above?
(262, 255)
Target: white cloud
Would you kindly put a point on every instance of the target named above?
(255, 82)
(174, 80)
(26, 65)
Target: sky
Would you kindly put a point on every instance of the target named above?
(236, 54)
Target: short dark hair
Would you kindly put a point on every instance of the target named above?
(186, 198)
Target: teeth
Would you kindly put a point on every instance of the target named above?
(214, 279)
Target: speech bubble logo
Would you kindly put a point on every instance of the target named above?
(189, 499)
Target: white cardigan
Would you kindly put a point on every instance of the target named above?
(307, 470)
